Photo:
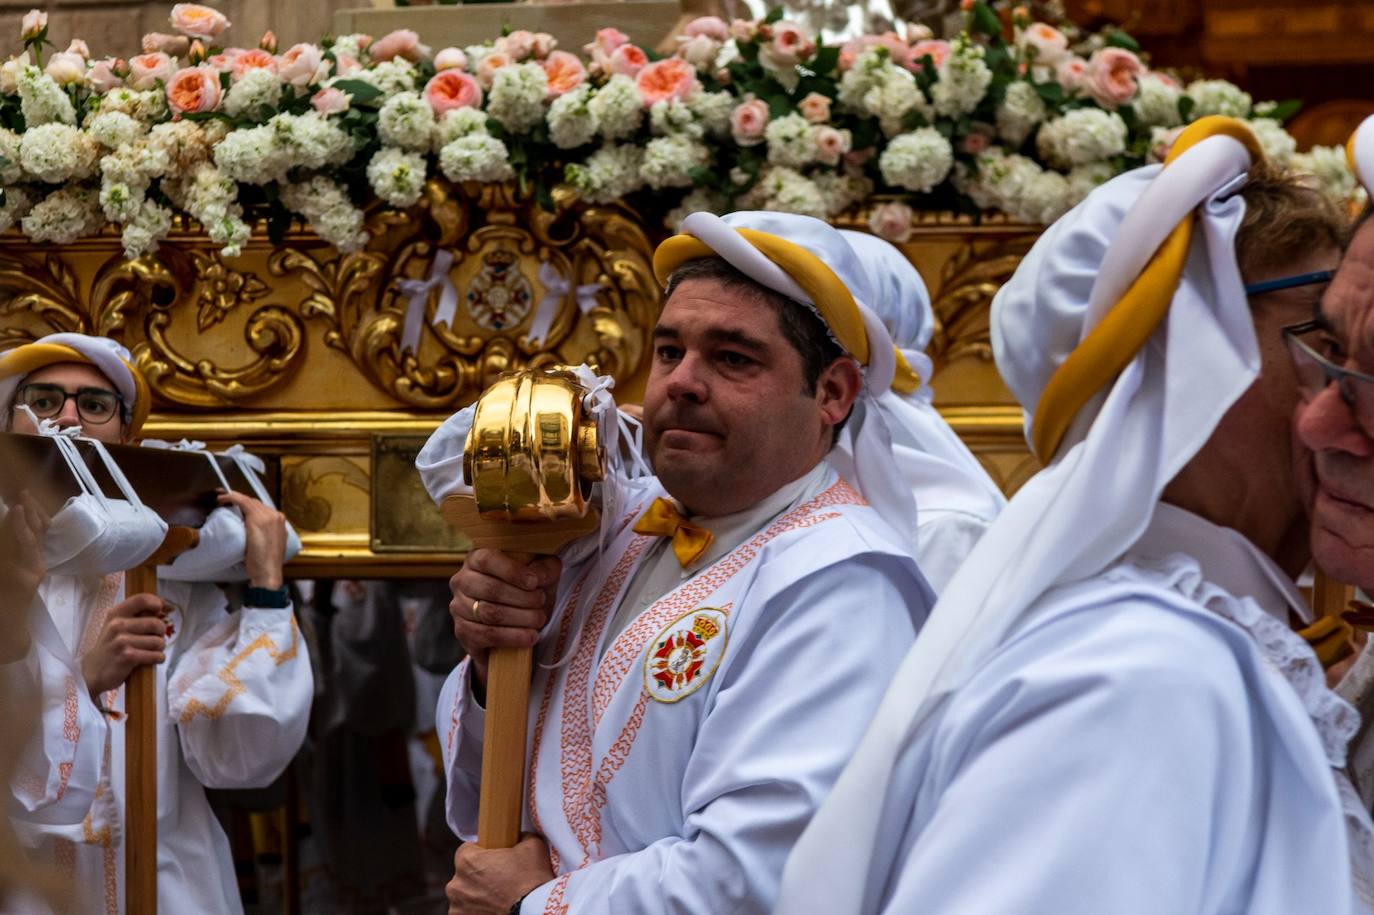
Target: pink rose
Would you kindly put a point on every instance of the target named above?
(256, 59)
(198, 21)
(400, 43)
(1112, 77)
(628, 59)
(700, 51)
(542, 45)
(519, 44)
(65, 68)
(194, 90)
(1071, 73)
(486, 70)
(268, 41)
(831, 144)
(565, 72)
(299, 64)
(975, 143)
(451, 59)
(853, 49)
(1049, 44)
(937, 48)
(608, 40)
(744, 30)
(709, 26)
(748, 120)
(146, 69)
(196, 52)
(790, 45)
(345, 64)
(450, 89)
(815, 108)
(666, 80)
(171, 45)
(899, 49)
(1162, 140)
(891, 221)
(35, 21)
(224, 62)
(330, 101)
(79, 48)
(104, 74)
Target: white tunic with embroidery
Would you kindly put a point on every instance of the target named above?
(233, 702)
(675, 762)
(1153, 740)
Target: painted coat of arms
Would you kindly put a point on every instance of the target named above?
(500, 296)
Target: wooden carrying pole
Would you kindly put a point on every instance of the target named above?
(140, 745)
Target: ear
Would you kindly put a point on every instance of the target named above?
(837, 388)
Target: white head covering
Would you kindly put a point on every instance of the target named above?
(1359, 152)
(109, 357)
(1099, 492)
(864, 453)
(941, 471)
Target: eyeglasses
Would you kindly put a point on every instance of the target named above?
(1288, 282)
(1316, 372)
(95, 406)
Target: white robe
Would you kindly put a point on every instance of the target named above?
(1133, 747)
(691, 804)
(233, 702)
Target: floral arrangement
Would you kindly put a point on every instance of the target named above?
(1018, 117)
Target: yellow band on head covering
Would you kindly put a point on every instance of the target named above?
(29, 358)
(827, 291)
(1114, 342)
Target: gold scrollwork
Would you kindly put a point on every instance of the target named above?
(968, 282)
(43, 287)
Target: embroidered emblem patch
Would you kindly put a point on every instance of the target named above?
(684, 655)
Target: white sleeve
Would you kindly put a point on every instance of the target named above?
(240, 694)
(943, 540)
(796, 693)
(459, 722)
(1102, 763)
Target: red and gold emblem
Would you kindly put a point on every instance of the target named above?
(685, 654)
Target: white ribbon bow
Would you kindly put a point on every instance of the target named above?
(557, 286)
(49, 427)
(186, 444)
(418, 293)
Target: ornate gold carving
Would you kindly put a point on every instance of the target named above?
(968, 281)
(43, 287)
(302, 483)
(222, 289)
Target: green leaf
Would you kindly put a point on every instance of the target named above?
(210, 116)
(1185, 108)
(1051, 93)
(1119, 39)
(985, 20)
(1285, 110)
(775, 14)
(703, 177)
(779, 105)
(826, 60)
(360, 92)
(544, 195)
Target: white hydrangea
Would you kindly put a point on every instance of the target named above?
(1329, 169)
(65, 215)
(389, 76)
(258, 88)
(18, 201)
(668, 161)
(11, 171)
(962, 79)
(701, 200)
(876, 86)
(407, 121)
(1019, 112)
(120, 201)
(149, 225)
(459, 122)
(617, 107)
(670, 116)
(712, 110)
(1083, 179)
(791, 141)
(252, 155)
(1156, 104)
(330, 213)
(211, 198)
(42, 100)
(789, 191)
(147, 106)
(1279, 147)
(397, 176)
(1080, 136)
(113, 129)
(1217, 96)
(610, 173)
(186, 144)
(571, 121)
(349, 45)
(476, 157)
(1044, 198)
(917, 161)
(517, 96)
(312, 140)
(136, 165)
(55, 152)
(841, 190)
(1014, 185)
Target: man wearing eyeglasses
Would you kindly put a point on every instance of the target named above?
(234, 689)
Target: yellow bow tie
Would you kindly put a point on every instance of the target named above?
(690, 541)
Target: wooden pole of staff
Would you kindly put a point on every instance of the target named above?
(508, 670)
(140, 744)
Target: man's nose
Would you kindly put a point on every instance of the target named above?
(68, 415)
(686, 381)
(1328, 423)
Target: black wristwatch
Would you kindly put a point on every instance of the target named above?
(267, 598)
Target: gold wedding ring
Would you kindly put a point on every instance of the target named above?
(477, 612)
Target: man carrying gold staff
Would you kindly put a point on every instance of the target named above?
(701, 680)
(1108, 710)
(233, 689)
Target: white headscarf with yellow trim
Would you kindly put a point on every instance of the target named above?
(112, 360)
(1359, 152)
(1127, 336)
(809, 262)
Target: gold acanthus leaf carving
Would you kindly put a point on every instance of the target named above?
(343, 288)
(222, 289)
(968, 283)
(44, 287)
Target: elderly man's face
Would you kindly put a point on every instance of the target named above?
(71, 377)
(1336, 450)
(727, 420)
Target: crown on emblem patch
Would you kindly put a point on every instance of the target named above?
(705, 628)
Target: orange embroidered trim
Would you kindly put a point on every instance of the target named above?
(230, 678)
(64, 856)
(111, 881)
(557, 903)
(71, 731)
(584, 795)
